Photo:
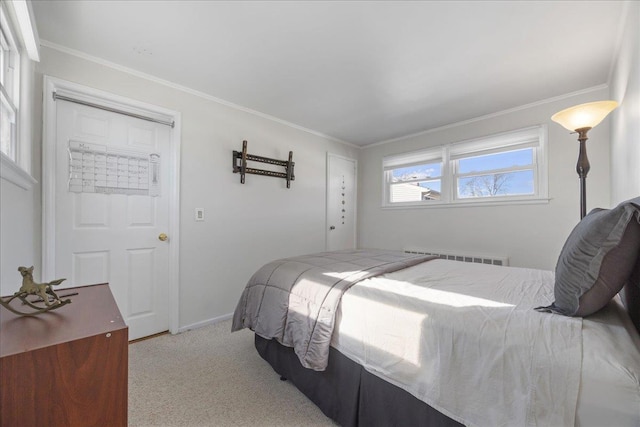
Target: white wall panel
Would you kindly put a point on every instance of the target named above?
(625, 121)
(17, 219)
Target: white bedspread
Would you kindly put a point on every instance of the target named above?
(610, 381)
(465, 339)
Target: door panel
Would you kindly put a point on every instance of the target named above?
(90, 267)
(141, 211)
(91, 211)
(141, 265)
(341, 203)
(89, 124)
(110, 209)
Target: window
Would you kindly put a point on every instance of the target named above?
(501, 174)
(415, 178)
(506, 167)
(18, 52)
(9, 88)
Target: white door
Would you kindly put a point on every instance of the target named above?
(341, 203)
(111, 206)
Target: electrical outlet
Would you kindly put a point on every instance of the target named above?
(199, 214)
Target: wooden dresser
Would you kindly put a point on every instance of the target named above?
(67, 367)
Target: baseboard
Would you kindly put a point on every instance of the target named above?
(205, 323)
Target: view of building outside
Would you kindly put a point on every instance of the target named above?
(415, 183)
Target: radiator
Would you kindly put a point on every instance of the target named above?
(460, 256)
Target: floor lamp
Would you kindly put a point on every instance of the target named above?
(580, 119)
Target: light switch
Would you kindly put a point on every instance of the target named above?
(199, 214)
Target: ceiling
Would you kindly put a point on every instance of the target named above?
(357, 71)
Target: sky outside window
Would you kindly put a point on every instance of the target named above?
(416, 172)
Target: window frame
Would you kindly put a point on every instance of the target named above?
(10, 81)
(534, 137)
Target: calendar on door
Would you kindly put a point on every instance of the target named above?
(96, 168)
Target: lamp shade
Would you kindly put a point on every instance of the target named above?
(587, 115)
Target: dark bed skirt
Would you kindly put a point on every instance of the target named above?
(349, 394)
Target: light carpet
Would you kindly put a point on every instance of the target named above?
(211, 377)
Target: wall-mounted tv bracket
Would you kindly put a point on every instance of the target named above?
(240, 165)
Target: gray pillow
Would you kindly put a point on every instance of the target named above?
(597, 259)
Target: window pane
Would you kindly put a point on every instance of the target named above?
(415, 191)
(489, 162)
(7, 126)
(412, 173)
(7, 76)
(4, 57)
(498, 184)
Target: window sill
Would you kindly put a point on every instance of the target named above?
(468, 204)
(11, 172)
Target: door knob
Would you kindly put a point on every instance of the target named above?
(163, 237)
(333, 227)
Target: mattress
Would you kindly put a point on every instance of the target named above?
(588, 378)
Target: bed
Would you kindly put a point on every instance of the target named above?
(381, 338)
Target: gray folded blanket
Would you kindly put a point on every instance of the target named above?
(294, 300)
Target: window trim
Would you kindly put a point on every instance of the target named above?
(8, 104)
(10, 88)
(529, 137)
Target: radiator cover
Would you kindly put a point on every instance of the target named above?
(461, 256)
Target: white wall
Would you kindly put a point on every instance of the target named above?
(625, 121)
(246, 225)
(18, 214)
(531, 235)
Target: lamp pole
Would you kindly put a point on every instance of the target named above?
(583, 169)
